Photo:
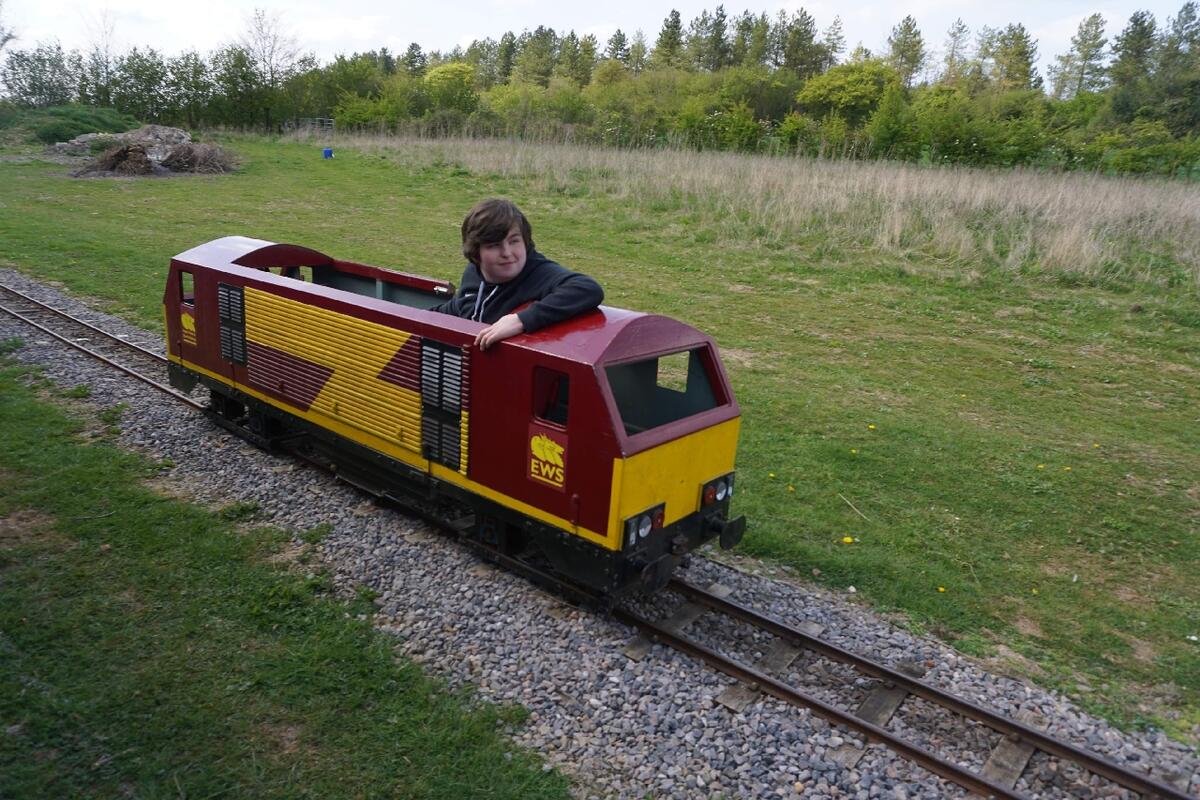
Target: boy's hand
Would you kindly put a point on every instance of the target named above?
(503, 328)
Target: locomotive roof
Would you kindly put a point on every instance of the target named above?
(607, 335)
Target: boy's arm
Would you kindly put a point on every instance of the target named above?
(568, 295)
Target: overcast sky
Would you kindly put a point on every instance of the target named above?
(346, 26)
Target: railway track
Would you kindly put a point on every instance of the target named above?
(1020, 740)
(120, 354)
(1003, 767)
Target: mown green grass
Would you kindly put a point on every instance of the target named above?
(148, 650)
(1085, 566)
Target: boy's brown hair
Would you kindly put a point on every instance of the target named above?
(489, 222)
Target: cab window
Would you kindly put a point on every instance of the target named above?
(656, 391)
(551, 391)
(187, 288)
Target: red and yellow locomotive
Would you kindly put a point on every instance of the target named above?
(603, 445)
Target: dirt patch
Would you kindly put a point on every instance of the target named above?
(169, 487)
(1142, 650)
(290, 555)
(1127, 594)
(1009, 662)
(284, 738)
(1107, 355)
(742, 358)
(26, 527)
(1020, 312)
(1027, 627)
(130, 601)
(741, 288)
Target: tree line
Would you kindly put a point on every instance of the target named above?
(753, 82)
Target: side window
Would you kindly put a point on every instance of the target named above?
(550, 395)
(187, 288)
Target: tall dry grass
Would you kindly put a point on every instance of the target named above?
(1081, 226)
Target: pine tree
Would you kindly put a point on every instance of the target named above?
(1082, 68)
(698, 41)
(955, 61)
(1177, 77)
(758, 51)
(834, 42)
(618, 47)
(568, 57)
(802, 53)
(668, 48)
(537, 56)
(414, 60)
(743, 30)
(1015, 55)
(588, 47)
(1133, 50)
(484, 56)
(387, 61)
(506, 57)
(906, 49)
(1130, 71)
(638, 53)
(1180, 45)
(718, 41)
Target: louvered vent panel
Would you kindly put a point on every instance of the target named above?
(442, 380)
(231, 307)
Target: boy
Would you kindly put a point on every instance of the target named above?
(504, 271)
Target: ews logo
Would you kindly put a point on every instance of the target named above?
(547, 462)
(188, 325)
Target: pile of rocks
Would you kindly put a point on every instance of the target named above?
(157, 141)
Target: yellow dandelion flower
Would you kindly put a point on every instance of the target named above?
(853, 451)
(1041, 466)
(963, 396)
(770, 474)
(870, 426)
(1097, 444)
(1066, 469)
(847, 540)
(1033, 591)
(942, 589)
(791, 488)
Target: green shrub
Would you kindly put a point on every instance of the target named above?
(63, 123)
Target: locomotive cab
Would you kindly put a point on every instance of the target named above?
(618, 430)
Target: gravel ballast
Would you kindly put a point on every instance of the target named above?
(619, 727)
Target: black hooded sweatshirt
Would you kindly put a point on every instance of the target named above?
(554, 293)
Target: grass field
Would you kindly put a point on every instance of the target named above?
(1008, 437)
(148, 650)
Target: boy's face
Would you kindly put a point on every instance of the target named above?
(502, 261)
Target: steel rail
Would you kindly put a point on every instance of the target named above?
(78, 321)
(132, 373)
(915, 753)
(1142, 784)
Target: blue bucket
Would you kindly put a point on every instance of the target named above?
(327, 153)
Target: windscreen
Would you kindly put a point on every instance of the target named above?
(660, 390)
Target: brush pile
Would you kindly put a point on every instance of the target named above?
(208, 159)
(150, 150)
(128, 159)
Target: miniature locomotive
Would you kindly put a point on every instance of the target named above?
(602, 446)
